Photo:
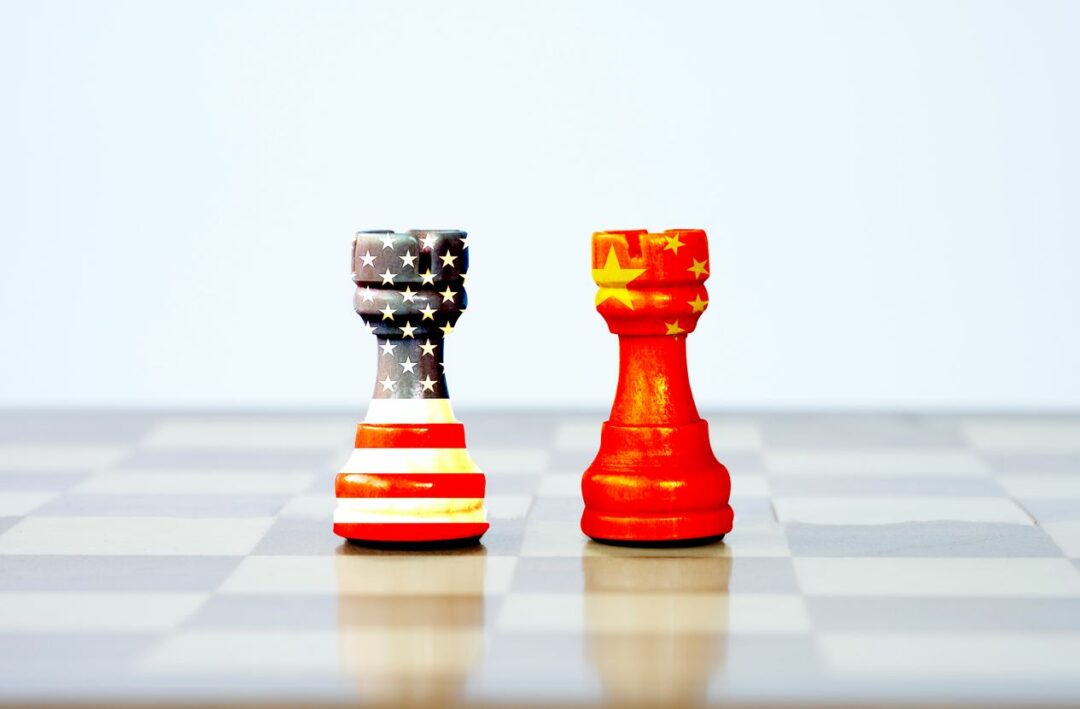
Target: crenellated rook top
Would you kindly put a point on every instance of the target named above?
(410, 285)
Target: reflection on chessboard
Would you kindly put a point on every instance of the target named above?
(411, 626)
(656, 627)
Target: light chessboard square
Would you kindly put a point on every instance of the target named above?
(897, 510)
(984, 656)
(158, 536)
(870, 462)
(195, 482)
(258, 652)
(17, 504)
(510, 461)
(273, 433)
(59, 458)
(95, 612)
(1042, 487)
(1067, 536)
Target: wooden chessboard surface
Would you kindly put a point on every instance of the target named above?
(187, 558)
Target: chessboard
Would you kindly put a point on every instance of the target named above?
(187, 558)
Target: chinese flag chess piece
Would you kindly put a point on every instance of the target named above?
(410, 478)
(655, 478)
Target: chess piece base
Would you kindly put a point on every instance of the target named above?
(656, 484)
(662, 543)
(440, 545)
(410, 533)
(689, 529)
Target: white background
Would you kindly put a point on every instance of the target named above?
(891, 192)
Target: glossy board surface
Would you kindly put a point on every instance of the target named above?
(884, 560)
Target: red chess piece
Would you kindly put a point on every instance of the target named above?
(655, 478)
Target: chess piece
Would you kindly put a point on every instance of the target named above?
(410, 478)
(411, 627)
(656, 627)
(655, 478)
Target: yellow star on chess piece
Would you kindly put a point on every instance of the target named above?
(673, 244)
(698, 269)
(697, 305)
(612, 279)
(673, 328)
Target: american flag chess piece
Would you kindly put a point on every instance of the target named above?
(655, 478)
(410, 478)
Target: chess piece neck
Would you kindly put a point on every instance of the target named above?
(409, 368)
(654, 385)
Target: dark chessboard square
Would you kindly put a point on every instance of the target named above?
(73, 427)
(944, 615)
(502, 429)
(52, 663)
(298, 537)
(263, 461)
(853, 431)
(167, 505)
(1067, 463)
(762, 575)
(883, 486)
(549, 574)
(43, 482)
(114, 574)
(311, 612)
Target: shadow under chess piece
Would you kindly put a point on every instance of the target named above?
(655, 478)
(410, 478)
(411, 628)
(655, 627)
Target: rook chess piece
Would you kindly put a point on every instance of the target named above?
(410, 477)
(655, 478)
